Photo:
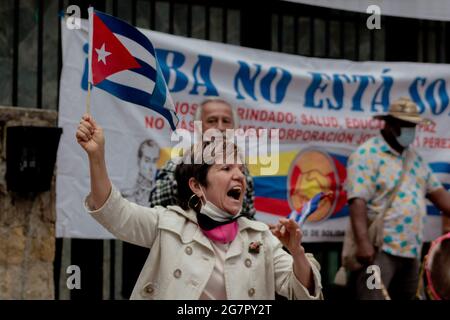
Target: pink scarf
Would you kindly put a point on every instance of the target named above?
(224, 233)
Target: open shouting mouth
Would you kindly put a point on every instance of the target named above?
(235, 192)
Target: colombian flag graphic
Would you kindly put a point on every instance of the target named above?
(301, 175)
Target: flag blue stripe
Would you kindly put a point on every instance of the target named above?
(158, 97)
(440, 167)
(135, 96)
(124, 29)
(310, 207)
(306, 208)
(293, 215)
(433, 211)
(271, 187)
(146, 70)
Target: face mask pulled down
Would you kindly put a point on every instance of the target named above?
(217, 224)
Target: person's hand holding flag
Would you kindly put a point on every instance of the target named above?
(299, 218)
(289, 232)
(90, 136)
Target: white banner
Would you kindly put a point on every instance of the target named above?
(322, 108)
(418, 9)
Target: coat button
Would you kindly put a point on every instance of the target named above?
(188, 250)
(251, 292)
(149, 289)
(248, 263)
(177, 273)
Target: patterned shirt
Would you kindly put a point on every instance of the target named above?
(165, 192)
(373, 171)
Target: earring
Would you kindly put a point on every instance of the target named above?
(196, 204)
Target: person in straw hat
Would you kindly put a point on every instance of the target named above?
(387, 177)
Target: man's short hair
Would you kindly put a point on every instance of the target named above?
(234, 115)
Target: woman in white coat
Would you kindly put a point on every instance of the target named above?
(203, 248)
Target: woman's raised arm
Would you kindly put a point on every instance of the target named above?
(90, 136)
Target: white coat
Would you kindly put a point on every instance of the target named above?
(181, 258)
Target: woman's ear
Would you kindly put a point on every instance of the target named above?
(194, 185)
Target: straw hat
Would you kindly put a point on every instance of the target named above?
(404, 109)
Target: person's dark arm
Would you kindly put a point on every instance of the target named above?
(441, 199)
(445, 224)
(365, 253)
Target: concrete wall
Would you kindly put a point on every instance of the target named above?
(27, 224)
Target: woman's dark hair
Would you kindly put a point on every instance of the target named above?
(192, 169)
(183, 173)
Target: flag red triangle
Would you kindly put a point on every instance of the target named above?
(109, 55)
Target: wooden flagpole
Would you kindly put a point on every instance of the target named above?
(91, 42)
(88, 99)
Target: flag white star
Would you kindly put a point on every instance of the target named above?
(102, 54)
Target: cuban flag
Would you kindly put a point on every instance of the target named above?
(122, 62)
(307, 209)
